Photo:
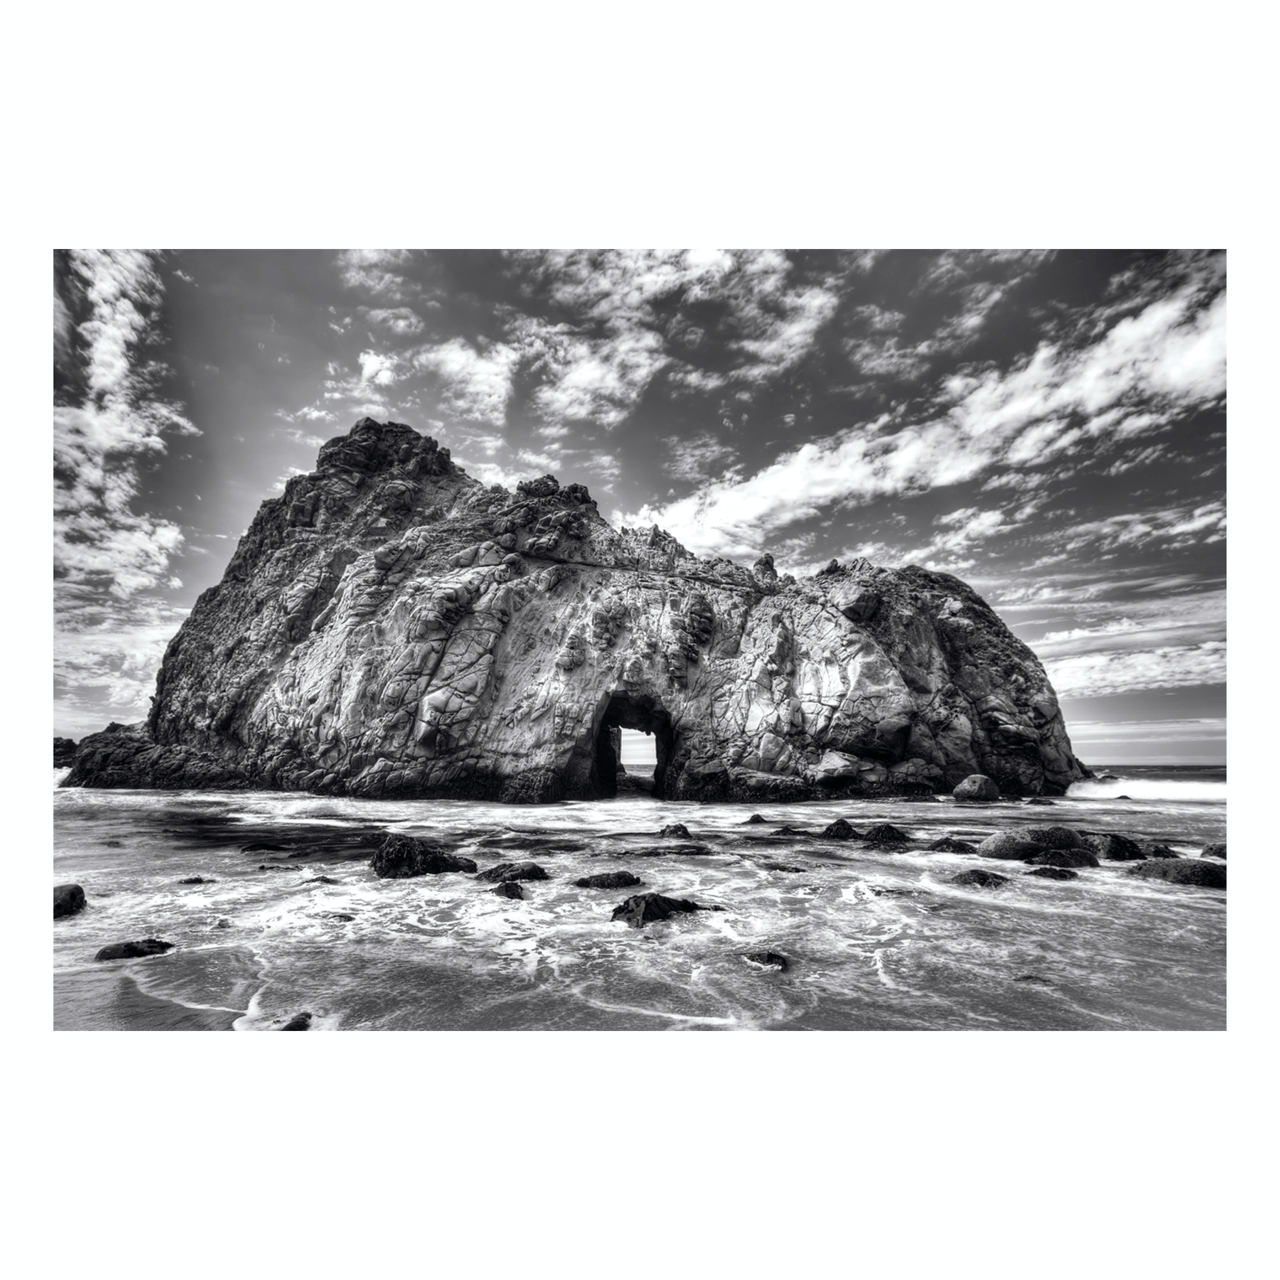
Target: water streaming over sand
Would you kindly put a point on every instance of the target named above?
(876, 939)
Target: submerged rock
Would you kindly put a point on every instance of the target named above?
(197, 880)
(506, 872)
(840, 830)
(67, 900)
(507, 889)
(133, 950)
(299, 1022)
(609, 880)
(754, 820)
(783, 866)
(1063, 858)
(1039, 800)
(1193, 871)
(976, 788)
(390, 627)
(769, 959)
(1162, 851)
(1214, 851)
(1053, 873)
(676, 830)
(980, 879)
(401, 857)
(645, 908)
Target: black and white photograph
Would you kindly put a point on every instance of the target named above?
(546, 636)
(630, 640)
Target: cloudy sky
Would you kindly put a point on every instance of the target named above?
(1049, 426)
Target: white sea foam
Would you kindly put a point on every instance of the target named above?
(1151, 789)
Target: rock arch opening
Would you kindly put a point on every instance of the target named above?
(631, 711)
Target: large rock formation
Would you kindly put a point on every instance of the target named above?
(390, 627)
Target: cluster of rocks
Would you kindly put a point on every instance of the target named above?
(391, 627)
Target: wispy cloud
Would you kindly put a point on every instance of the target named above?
(375, 271)
(398, 320)
(1089, 675)
(694, 459)
(1057, 401)
(120, 419)
(476, 383)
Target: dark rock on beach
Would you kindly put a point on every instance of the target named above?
(1025, 842)
(1114, 848)
(505, 872)
(1214, 851)
(769, 959)
(948, 844)
(886, 833)
(677, 831)
(508, 889)
(1193, 871)
(1007, 846)
(839, 830)
(976, 788)
(646, 908)
(1053, 873)
(978, 879)
(609, 880)
(401, 857)
(299, 1022)
(133, 950)
(67, 899)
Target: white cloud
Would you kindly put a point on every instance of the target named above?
(694, 458)
(399, 320)
(1088, 675)
(476, 383)
(97, 533)
(375, 271)
(986, 420)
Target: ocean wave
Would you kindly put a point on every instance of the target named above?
(1150, 789)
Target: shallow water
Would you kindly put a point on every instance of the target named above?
(876, 939)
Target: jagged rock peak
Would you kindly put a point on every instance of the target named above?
(391, 627)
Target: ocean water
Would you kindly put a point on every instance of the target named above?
(876, 940)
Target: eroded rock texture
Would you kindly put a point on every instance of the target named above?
(390, 627)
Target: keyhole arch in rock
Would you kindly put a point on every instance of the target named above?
(631, 709)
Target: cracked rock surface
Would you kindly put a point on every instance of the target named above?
(389, 627)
